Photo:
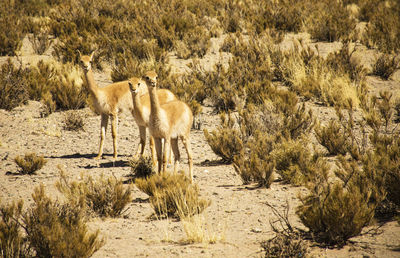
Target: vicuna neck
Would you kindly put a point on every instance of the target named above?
(154, 103)
(92, 86)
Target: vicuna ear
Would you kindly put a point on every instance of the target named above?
(91, 55)
(79, 52)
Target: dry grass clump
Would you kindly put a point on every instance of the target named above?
(30, 163)
(106, 197)
(315, 78)
(12, 241)
(198, 230)
(58, 230)
(141, 167)
(172, 194)
(385, 66)
(73, 121)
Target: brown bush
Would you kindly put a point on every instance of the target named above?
(30, 163)
(336, 210)
(12, 241)
(13, 85)
(58, 230)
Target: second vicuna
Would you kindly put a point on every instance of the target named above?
(108, 101)
(141, 110)
(169, 121)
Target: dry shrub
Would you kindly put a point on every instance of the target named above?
(141, 167)
(336, 210)
(12, 29)
(70, 91)
(106, 197)
(253, 164)
(172, 194)
(30, 163)
(333, 137)
(40, 42)
(383, 29)
(329, 21)
(73, 121)
(226, 141)
(58, 230)
(287, 242)
(293, 161)
(385, 66)
(12, 85)
(12, 241)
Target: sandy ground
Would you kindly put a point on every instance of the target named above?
(238, 216)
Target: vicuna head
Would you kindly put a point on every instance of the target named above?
(134, 85)
(85, 61)
(150, 78)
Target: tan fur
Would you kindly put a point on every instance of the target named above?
(169, 121)
(141, 111)
(108, 101)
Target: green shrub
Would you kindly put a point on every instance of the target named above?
(12, 241)
(385, 66)
(30, 163)
(107, 197)
(172, 194)
(141, 167)
(58, 230)
(12, 85)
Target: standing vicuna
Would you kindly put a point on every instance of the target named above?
(141, 110)
(108, 101)
(169, 121)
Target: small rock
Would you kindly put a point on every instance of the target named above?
(256, 230)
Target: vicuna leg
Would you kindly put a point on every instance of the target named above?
(177, 155)
(167, 150)
(142, 144)
(114, 132)
(158, 145)
(103, 129)
(186, 143)
(153, 150)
